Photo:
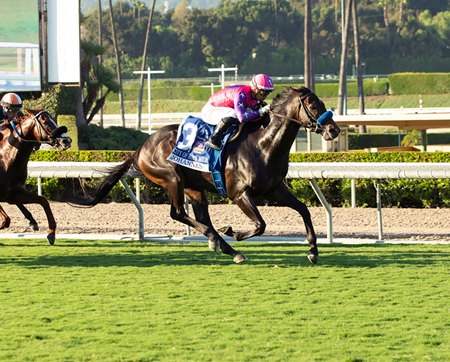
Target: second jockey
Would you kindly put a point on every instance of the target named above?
(234, 104)
(10, 107)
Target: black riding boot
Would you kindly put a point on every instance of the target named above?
(215, 141)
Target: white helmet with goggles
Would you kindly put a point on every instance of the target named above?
(11, 101)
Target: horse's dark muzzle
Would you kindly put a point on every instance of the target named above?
(64, 142)
(334, 132)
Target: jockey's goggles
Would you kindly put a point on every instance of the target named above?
(263, 92)
(13, 109)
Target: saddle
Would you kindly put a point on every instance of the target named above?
(190, 150)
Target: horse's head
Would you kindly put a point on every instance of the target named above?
(302, 106)
(315, 115)
(39, 126)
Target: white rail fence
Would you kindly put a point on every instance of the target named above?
(27, 56)
(305, 170)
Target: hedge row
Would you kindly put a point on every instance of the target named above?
(419, 83)
(396, 193)
(358, 141)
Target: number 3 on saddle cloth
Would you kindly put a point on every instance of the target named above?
(190, 150)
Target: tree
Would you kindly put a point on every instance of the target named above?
(262, 33)
(100, 56)
(138, 6)
(119, 73)
(308, 63)
(358, 61)
(94, 76)
(342, 93)
(144, 62)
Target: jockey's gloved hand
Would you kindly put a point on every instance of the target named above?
(264, 110)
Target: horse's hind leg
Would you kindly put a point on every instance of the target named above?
(32, 222)
(200, 207)
(6, 221)
(202, 223)
(283, 197)
(26, 197)
(247, 204)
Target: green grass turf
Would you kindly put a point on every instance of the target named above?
(142, 301)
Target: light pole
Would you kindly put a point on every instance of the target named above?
(149, 72)
(222, 69)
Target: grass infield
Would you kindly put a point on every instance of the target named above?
(142, 301)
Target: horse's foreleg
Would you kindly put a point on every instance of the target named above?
(32, 222)
(6, 221)
(283, 197)
(247, 204)
(27, 197)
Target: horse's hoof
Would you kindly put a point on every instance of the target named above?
(213, 245)
(313, 258)
(239, 258)
(51, 239)
(34, 227)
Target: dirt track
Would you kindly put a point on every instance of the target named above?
(113, 218)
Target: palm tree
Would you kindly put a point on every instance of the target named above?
(358, 61)
(94, 77)
(342, 94)
(138, 6)
(308, 58)
(119, 72)
(144, 62)
(100, 56)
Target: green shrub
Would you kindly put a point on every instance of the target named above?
(111, 138)
(359, 141)
(58, 100)
(419, 83)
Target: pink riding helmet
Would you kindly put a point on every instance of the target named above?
(262, 81)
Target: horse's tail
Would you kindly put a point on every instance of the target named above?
(113, 177)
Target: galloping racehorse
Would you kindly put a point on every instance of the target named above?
(17, 142)
(255, 165)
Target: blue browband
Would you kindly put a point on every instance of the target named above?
(325, 117)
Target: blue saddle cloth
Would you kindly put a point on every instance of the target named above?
(190, 150)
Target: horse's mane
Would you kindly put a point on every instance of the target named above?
(280, 100)
(34, 110)
(22, 116)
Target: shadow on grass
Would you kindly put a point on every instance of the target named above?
(151, 254)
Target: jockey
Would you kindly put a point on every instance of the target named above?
(237, 103)
(11, 104)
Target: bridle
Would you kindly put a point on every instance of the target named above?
(51, 134)
(314, 124)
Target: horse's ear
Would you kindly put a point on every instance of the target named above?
(304, 90)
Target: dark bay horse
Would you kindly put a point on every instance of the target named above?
(255, 165)
(18, 139)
